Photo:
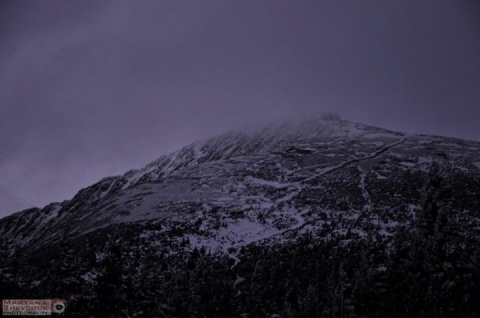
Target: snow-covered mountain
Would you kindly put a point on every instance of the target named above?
(271, 186)
(286, 174)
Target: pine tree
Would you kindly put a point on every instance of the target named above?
(437, 247)
(432, 195)
(111, 288)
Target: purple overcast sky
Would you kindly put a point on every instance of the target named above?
(94, 88)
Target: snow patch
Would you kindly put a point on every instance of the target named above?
(422, 160)
(407, 164)
(90, 277)
(462, 169)
(275, 184)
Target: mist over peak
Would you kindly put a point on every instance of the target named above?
(89, 89)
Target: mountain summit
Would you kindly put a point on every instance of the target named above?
(234, 199)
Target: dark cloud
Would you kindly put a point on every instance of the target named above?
(94, 88)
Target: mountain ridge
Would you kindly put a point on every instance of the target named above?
(320, 146)
(299, 219)
(245, 130)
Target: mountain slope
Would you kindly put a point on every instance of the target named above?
(259, 188)
(276, 168)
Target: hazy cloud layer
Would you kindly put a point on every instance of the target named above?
(94, 88)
